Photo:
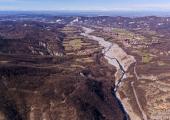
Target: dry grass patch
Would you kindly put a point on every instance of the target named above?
(75, 44)
(146, 58)
(85, 60)
(127, 34)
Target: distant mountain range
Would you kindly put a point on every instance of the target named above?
(91, 13)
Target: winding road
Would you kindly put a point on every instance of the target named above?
(136, 96)
(137, 100)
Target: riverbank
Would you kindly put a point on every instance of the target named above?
(117, 57)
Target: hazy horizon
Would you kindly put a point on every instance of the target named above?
(89, 13)
(88, 5)
(87, 8)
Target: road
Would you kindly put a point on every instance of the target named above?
(138, 103)
(135, 73)
(136, 96)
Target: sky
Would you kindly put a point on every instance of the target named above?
(104, 5)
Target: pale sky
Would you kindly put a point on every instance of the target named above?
(85, 5)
